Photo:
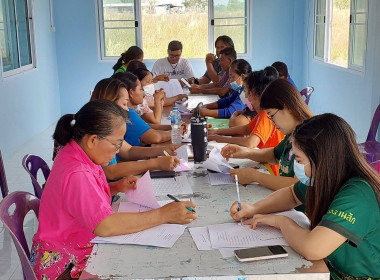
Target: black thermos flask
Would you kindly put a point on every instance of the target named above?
(199, 135)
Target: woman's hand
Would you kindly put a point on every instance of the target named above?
(271, 220)
(177, 212)
(159, 96)
(170, 149)
(210, 57)
(234, 151)
(195, 89)
(184, 128)
(245, 175)
(162, 77)
(128, 183)
(166, 163)
(212, 132)
(245, 213)
(213, 137)
(182, 96)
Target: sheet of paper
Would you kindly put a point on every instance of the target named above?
(182, 153)
(217, 179)
(216, 162)
(184, 166)
(174, 186)
(171, 88)
(201, 238)
(164, 235)
(297, 216)
(143, 194)
(130, 207)
(227, 252)
(234, 235)
(182, 109)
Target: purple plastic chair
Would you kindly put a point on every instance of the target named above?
(371, 148)
(306, 93)
(14, 221)
(32, 164)
(3, 179)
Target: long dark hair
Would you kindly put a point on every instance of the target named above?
(329, 143)
(99, 117)
(129, 79)
(281, 94)
(241, 66)
(132, 53)
(226, 40)
(108, 88)
(259, 80)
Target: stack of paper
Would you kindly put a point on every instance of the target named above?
(231, 236)
(171, 88)
(217, 179)
(216, 162)
(140, 200)
(183, 156)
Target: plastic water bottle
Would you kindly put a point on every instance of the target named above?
(175, 121)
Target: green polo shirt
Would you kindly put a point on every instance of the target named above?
(283, 152)
(355, 214)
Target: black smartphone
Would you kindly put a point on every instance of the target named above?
(162, 174)
(260, 253)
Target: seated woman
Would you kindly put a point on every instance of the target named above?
(147, 82)
(138, 131)
(225, 107)
(262, 132)
(341, 193)
(75, 206)
(286, 109)
(133, 53)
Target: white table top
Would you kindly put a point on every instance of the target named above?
(183, 260)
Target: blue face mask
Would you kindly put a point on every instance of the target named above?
(235, 86)
(299, 170)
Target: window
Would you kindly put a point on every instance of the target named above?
(340, 32)
(152, 24)
(16, 42)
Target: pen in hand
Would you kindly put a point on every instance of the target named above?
(177, 200)
(166, 153)
(238, 196)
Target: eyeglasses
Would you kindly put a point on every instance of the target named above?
(174, 55)
(117, 146)
(271, 116)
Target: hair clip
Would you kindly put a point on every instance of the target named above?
(72, 123)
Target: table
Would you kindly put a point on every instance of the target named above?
(183, 260)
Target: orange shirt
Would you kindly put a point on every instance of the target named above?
(269, 135)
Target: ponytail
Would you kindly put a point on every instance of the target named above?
(132, 53)
(119, 63)
(64, 130)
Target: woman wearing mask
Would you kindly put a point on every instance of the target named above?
(225, 107)
(286, 109)
(341, 193)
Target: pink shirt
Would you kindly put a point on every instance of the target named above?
(75, 200)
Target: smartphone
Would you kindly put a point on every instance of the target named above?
(162, 174)
(260, 253)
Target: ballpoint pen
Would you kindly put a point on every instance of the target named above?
(238, 196)
(166, 153)
(177, 200)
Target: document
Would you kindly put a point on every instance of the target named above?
(164, 235)
(235, 235)
(201, 238)
(171, 88)
(130, 207)
(143, 194)
(182, 153)
(174, 186)
(217, 179)
(183, 110)
(216, 162)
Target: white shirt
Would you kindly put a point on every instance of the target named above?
(182, 69)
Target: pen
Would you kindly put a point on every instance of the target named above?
(177, 200)
(238, 196)
(166, 153)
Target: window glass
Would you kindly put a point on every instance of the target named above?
(358, 32)
(320, 15)
(340, 32)
(23, 32)
(230, 18)
(185, 21)
(9, 48)
(119, 30)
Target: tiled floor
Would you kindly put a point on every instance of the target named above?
(18, 179)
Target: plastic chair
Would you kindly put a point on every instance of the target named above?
(371, 148)
(306, 93)
(376, 165)
(32, 165)
(3, 178)
(24, 202)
